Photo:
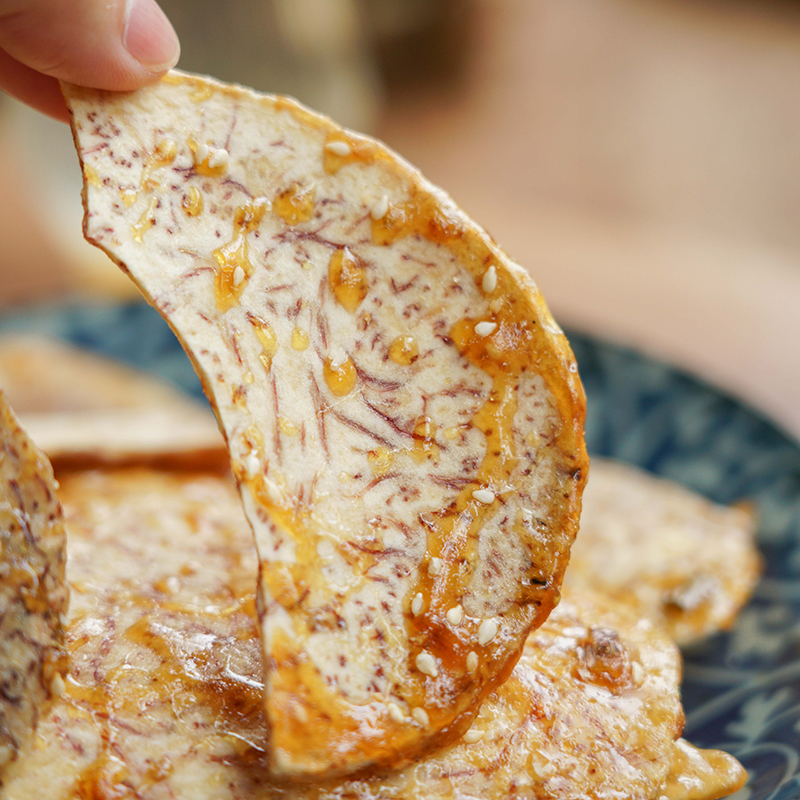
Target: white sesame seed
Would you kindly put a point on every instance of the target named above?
(238, 276)
(487, 630)
(455, 615)
(252, 465)
(435, 566)
(426, 664)
(417, 604)
(527, 516)
(339, 148)
(489, 282)
(484, 496)
(421, 716)
(637, 673)
(273, 492)
(472, 736)
(472, 661)
(218, 157)
(202, 153)
(485, 328)
(380, 208)
(57, 686)
(338, 358)
(395, 712)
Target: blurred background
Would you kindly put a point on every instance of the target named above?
(640, 157)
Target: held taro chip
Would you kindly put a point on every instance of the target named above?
(404, 418)
(33, 590)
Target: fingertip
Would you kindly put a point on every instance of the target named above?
(149, 36)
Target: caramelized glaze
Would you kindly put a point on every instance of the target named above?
(348, 279)
(294, 204)
(228, 283)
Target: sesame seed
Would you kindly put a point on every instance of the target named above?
(426, 664)
(472, 736)
(218, 157)
(472, 661)
(417, 604)
(637, 673)
(238, 276)
(339, 148)
(455, 615)
(435, 566)
(202, 153)
(485, 328)
(57, 686)
(484, 496)
(420, 715)
(273, 492)
(380, 208)
(487, 630)
(489, 282)
(338, 358)
(395, 712)
(252, 465)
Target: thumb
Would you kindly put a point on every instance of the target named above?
(106, 44)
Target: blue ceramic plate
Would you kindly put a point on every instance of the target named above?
(742, 688)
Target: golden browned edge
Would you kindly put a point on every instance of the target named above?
(563, 380)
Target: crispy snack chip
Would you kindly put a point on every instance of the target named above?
(82, 409)
(404, 418)
(683, 561)
(164, 696)
(33, 590)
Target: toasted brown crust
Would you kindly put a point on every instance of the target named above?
(404, 417)
(33, 589)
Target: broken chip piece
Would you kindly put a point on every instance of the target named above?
(680, 559)
(164, 695)
(33, 589)
(404, 418)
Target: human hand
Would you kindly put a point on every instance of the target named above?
(106, 44)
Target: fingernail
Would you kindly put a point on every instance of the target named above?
(149, 36)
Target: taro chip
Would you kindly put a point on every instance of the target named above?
(33, 590)
(404, 418)
(678, 558)
(82, 408)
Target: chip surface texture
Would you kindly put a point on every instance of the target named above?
(404, 418)
(33, 589)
